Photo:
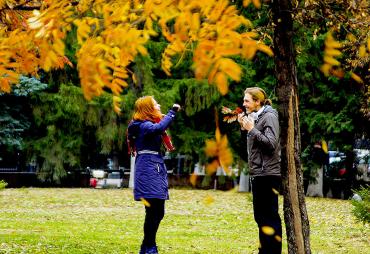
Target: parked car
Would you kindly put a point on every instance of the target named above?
(102, 179)
(336, 167)
(113, 180)
(362, 164)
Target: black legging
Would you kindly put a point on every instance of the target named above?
(153, 216)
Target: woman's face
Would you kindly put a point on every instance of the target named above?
(157, 106)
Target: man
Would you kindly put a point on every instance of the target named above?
(260, 127)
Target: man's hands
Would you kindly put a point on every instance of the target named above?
(176, 107)
(246, 122)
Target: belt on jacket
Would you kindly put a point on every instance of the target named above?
(147, 152)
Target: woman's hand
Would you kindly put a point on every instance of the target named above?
(176, 107)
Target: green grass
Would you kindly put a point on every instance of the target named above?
(34, 220)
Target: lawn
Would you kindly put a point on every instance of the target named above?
(34, 220)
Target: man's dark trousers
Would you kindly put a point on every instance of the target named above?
(266, 213)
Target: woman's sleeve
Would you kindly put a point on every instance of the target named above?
(154, 128)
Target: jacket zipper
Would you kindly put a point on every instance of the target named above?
(158, 168)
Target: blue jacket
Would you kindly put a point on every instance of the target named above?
(150, 179)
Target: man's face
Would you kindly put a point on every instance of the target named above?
(250, 104)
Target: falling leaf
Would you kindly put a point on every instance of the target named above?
(211, 168)
(145, 202)
(220, 152)
(208, 200)
(211, 148)
(193, 179)
(267, 230)
(324, 146)
(278, 238)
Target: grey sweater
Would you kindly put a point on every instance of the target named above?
(263, 144)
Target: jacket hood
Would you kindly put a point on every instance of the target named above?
(269, 109)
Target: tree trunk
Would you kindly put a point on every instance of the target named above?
(295, 213)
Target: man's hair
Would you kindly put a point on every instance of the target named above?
(144, 109)
(258, 94)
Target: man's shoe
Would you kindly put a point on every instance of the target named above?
(151, 250)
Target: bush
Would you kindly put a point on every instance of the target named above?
(361, 208)
(3, 184)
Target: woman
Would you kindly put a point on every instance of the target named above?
(146, 132)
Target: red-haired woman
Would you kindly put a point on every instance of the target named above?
(146, 133)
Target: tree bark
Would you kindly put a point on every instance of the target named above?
(295, 213)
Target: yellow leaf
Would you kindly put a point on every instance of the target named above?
(47, 64)
(218, 135)
(275, 191)
(362, 51)
(145, 202)
(120, 74)
(332, 44)
(325, 68)
(267, 230)
(324, 146)
(212, 167)
(4, 85)
(339, 73)
(251, 35)
(368, 44)
(351, 37)
(134, 79)
(265, 49)
(356, 78)
(249, 49)
(58, 46)
(195, 22)
(246, 3)
(230, 68)
(212, 73)
(278, 238)
(193, 179)
(142, 50)
(53, 57)
(117, 99)
(208, 200)
(331, 61)
(211, 148)
(332, 52)
(257, 3)
(117, 109)
(221, 82)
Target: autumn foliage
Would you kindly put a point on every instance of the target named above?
(112, 33)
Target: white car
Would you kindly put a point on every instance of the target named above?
(113, 180)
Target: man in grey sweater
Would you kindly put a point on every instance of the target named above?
(260, 129)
